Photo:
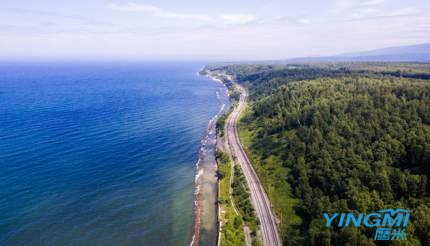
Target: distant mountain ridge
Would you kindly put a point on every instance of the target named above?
(418, 49)
(410, 53)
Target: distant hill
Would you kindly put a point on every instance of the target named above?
(419, 49)
(411, 53)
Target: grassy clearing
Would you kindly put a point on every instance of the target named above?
(274, 179)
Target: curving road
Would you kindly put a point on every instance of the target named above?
(268, 225)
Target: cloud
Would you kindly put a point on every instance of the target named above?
(405, 11)
(134, 7)
(351, 5)
(159, 12)
(238, 18)
(374, 13)
(304, 21)
(342, 5)
(156, 11)
(351, 10)
(372, 2)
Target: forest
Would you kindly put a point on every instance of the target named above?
(349, 137)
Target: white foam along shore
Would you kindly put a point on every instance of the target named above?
(199, 166)
(218, 76)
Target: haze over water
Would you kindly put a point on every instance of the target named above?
(101, 153)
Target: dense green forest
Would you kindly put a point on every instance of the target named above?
(339, 138)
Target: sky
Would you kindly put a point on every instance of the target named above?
(206, 30)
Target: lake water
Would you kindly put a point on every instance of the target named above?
(101, 153)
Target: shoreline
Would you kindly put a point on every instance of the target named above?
(226, 80)
(228, 233)
(218, 209)
(206, 175)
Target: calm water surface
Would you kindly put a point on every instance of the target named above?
(101, 153)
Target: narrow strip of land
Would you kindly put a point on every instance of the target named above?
(268, 226)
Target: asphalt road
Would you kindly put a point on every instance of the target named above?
(268, 225)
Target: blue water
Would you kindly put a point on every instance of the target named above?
(100, 153)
